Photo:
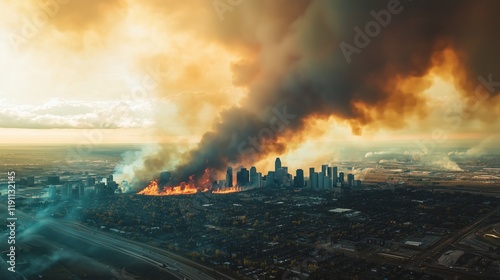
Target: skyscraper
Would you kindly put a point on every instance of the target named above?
(314, 180)
(229, 177)
(311, 173)
(253, 176)
(277, 164)
(321, 180)
(341, 177)
(242, 177)
(324, 167)
(258, 182)
(335, 175)
(298, 181)
(270, 179)
(350, 180)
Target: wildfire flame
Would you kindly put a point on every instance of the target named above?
(186, 187)
(183, 188)
(227, 190)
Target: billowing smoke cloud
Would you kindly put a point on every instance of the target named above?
(485, 146)
(445, 163)
(295, 70)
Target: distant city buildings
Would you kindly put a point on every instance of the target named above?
(229, 177)
(243, 177)
(88, 185)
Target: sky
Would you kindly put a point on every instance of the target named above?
(216, 72)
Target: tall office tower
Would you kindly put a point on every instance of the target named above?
(326, 183)
(165, 177)
(315, 180)
(258, 182)
(53, 180)
(110, 178)
(335, 175)
(341, 177)
(242, 177)
(280, 175)
(350, 180)
(324, 167)
(298, 181)
(238, 178)
(321, 180)
(246, 176)
(30, 181)
(287, 180)
(270, 179)
(253, 176)
(311, 172)
(229, 177)
(277, 164)
(286, 174)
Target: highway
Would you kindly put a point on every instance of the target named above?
(457, 236)
(172, 264)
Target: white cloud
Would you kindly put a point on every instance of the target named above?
(58, 113)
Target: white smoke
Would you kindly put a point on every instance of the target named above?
(445, 163)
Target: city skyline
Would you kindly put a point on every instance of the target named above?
(250, 139)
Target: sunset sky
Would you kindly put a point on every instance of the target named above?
(169, 71)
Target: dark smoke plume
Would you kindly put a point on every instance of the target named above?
(296, 62)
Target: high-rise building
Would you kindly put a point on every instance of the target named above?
(281, 175)
(314, 180)
(326, 183)
(253, 176)
(350, 180)
(311, 173)
(321, 180)
(298, 181)
(341, 177)
(270, 179)
(229, 177)
(335, 175)
(242, 177)
(324, 167)
(277, 164)
(258, 182)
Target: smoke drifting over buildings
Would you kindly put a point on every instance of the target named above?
(294, 69)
